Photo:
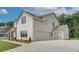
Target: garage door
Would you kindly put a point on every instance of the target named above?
(39, 35)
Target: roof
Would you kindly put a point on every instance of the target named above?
(34, 15)
(61, 28)
(38, 15)
(4, 29)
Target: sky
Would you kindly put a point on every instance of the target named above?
(10, 13)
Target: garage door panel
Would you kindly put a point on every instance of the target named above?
(39, 35)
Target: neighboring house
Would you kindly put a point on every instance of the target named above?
(4, 30)
(37, 28)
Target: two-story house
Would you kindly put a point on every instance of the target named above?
(45, 27)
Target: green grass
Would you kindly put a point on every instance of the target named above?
(6, 45)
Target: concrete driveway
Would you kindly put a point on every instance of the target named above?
(49, 46)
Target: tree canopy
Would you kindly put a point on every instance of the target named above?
(10, 23)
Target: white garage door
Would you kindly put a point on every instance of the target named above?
(61, 35)
(39, 35)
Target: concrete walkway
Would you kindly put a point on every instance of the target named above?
(19, 43)
(49, 46)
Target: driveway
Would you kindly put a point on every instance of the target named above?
(49, 46)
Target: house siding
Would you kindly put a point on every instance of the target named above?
(28, 27)
(42, 30)
(61, 33)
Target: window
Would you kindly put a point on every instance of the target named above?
(23, 21)
(23, 33)
(53, 24)
(46, 21)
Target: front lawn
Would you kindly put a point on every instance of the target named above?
(6, 45)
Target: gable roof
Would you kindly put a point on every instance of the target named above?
(39, 15)
(4, 29)
(34, 15)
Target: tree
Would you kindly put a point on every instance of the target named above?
(2, 23)
(73, 23)
(10, 23)
(61, 19)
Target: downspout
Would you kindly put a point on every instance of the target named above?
(16, 32)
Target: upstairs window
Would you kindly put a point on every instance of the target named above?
(23, 20)
(53, 24)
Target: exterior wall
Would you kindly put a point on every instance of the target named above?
(66, 32)
(14, 30)
(42, 30)
(28, 27)
(38, 29)
(9, 33)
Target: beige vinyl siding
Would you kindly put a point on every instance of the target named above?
(28, 26)
(42, 29)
